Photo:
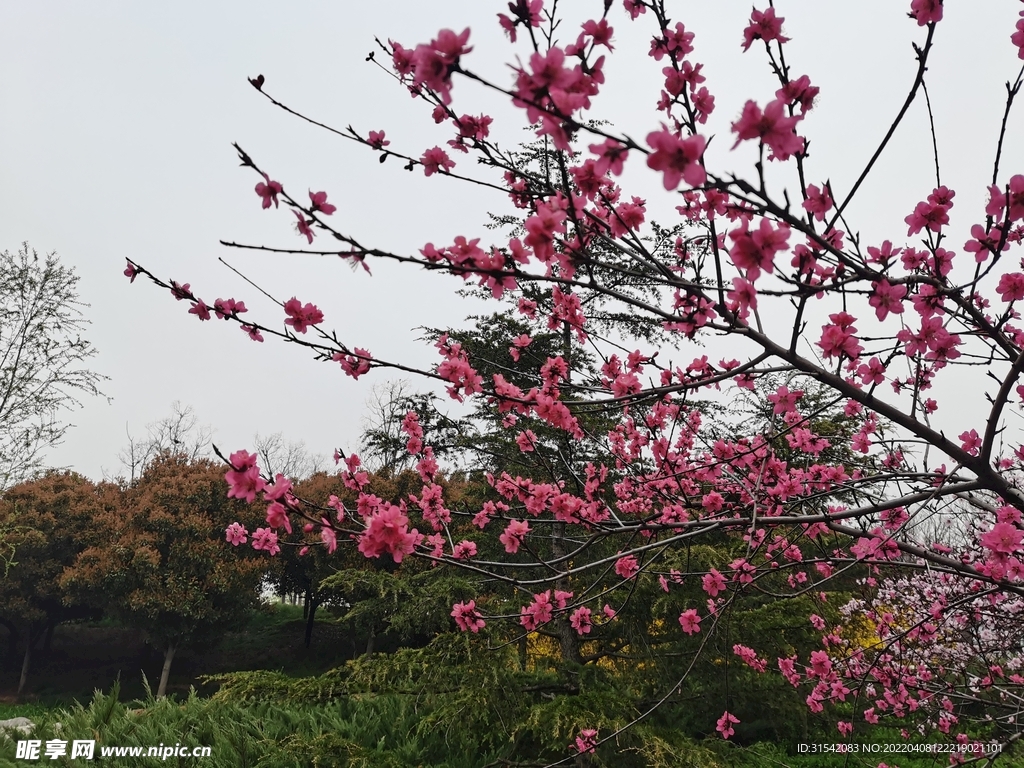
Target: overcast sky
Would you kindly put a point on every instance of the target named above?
(116, 124)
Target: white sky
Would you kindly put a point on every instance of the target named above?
(116, 120)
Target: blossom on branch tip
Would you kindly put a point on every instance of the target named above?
(764, 25)
(926, 11)
(433, 64)
(725, 723)
(243, 479)
(131, 272)
(319, 203)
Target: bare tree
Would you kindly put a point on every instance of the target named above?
(290, 459)
(180, 434)
(42, 358)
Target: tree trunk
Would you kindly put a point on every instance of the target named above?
(161, 691)
(26, 661)
(51, 625)
(311, 605)
(305, 606)
(12, 639)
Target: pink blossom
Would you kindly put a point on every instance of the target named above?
(690, 621)
(772, 127)
(467, 618)
(302, 225)
(387, 530)
(243, 479)
(236, 534)
(634, 8)
(755, 250)
(226, 308)
(266, 540)
(838, 338)
(886, 298)
(253, 331)
(512, 538)
(538, 612)
(818, 202)
(1003, 538)
(1016, 197)
(725, 723)
(742, 298)
(586, 741)
(200, 310)
(269, 190)
(526, 441)
(873, 373)
(433, 64)
(376, 140)
(318, 202)
(784, 400)
(799, 91)
(677, 158)
(763, 26)
(970, 442)
(526, 12)
(464, 550)
(131, 272)
(181, 292)
(611, 154)
(926, 11)
(821, 664)
(436, 160)
(277, 516)
(354, 365)
(329, 537)
(627, 567)
(1017, 38)
(581, 621)
(301, 316)
(281, 488)
(713, 582)
(927, 215)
